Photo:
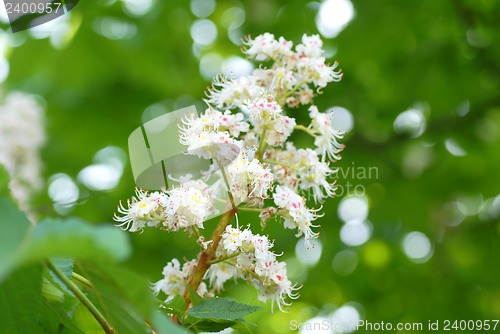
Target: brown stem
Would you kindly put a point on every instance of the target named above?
(209, 255)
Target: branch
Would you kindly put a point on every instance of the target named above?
(209, 255)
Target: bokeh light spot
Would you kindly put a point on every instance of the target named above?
(210, 65)
(314, 326)
(309, 256)
(355, 233)
(417, 247)
(342, 119)
(137, 7)
(376, 254)
(204, 32)
(236, 67)
(411, 122)
(454, 148)
(106, 171)
(354, 208)
(333, 16)
(202, 8)
(233, 18)
(344, 263)
(114, 29)
(62, 189)
(344, 319)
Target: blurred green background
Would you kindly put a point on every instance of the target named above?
(110, 65)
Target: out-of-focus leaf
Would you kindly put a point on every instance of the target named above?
(125, 297)
(13, 228)
(86, 321)
(55, 316)
(163, 325)
(21, 301)
(127, 301)
(75, 238)
(65, 264)
(243, 327)
(50, 292)
(72, 237)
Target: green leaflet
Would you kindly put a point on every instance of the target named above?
(65, 264)
(221, 309)
(176, 305)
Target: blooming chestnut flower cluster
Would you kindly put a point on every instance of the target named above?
(175, 277)
(22, 136)
(178, 208)
(249, 257)
(248, 124)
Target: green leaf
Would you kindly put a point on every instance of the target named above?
(86, 321)
(176, 305)
(53, 237)
(21, 301)
(65, 264)
(210, 326)
(221, 309)
(50, 292)
(56, 304)
(73, 237)
(195, 297)
(125, 298)
(13, 229)
(243, 327)
(55, 316)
